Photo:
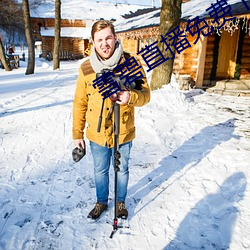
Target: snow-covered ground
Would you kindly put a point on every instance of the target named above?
(189, 170)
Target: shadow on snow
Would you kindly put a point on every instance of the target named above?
(215, 221)
(190, 153)
(23, 110)
(209, 225)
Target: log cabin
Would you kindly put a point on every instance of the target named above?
(223, 55)
(74, 37)
(77, 18)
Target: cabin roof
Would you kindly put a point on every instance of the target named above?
(77, 32)
(190, 10)
(85, 10)
(196, 8)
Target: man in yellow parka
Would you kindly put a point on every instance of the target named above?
(107, 54)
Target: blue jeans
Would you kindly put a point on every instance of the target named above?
(102, 158)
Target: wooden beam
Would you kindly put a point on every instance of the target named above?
(201, 61)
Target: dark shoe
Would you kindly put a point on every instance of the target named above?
(122, 211)
(97, 210)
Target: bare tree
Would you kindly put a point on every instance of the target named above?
(28, 33)
(11, 16)
(169, 19)
(3, 57)
(36, 3)
(56, 59)
(11, 24)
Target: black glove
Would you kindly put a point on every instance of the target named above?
(124, 85)
(78, 153)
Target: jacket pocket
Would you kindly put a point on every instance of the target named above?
(127, 120)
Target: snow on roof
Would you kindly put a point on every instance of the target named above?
(196, 8)
(85, 10)
(80, 32)
(145, 20)
(190, 10)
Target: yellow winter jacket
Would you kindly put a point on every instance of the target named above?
(87, 106)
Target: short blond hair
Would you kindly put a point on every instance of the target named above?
(100, 25)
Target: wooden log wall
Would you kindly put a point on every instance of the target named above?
(50, 22)
(73, 45)
(130, 46)
(185, 63)
(209, 57)
(79, 46)
(66, 44)
(47, 45)
(245, 61)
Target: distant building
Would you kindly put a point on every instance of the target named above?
(77, 19)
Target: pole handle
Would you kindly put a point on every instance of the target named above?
(100, 118)
(99, 124)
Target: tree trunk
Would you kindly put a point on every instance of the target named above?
(169, 19)
(3, 57)
(29, 38)
(56, 59)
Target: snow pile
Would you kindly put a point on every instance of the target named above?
(170, 99)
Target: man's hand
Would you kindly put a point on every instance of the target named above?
(79, 143)
(123, 97)
(79, 151)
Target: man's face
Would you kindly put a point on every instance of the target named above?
(104, 42)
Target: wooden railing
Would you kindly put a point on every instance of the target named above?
(64, 55)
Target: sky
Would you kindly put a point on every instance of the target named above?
(189, 169)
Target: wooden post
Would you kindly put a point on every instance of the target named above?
(201, 61)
